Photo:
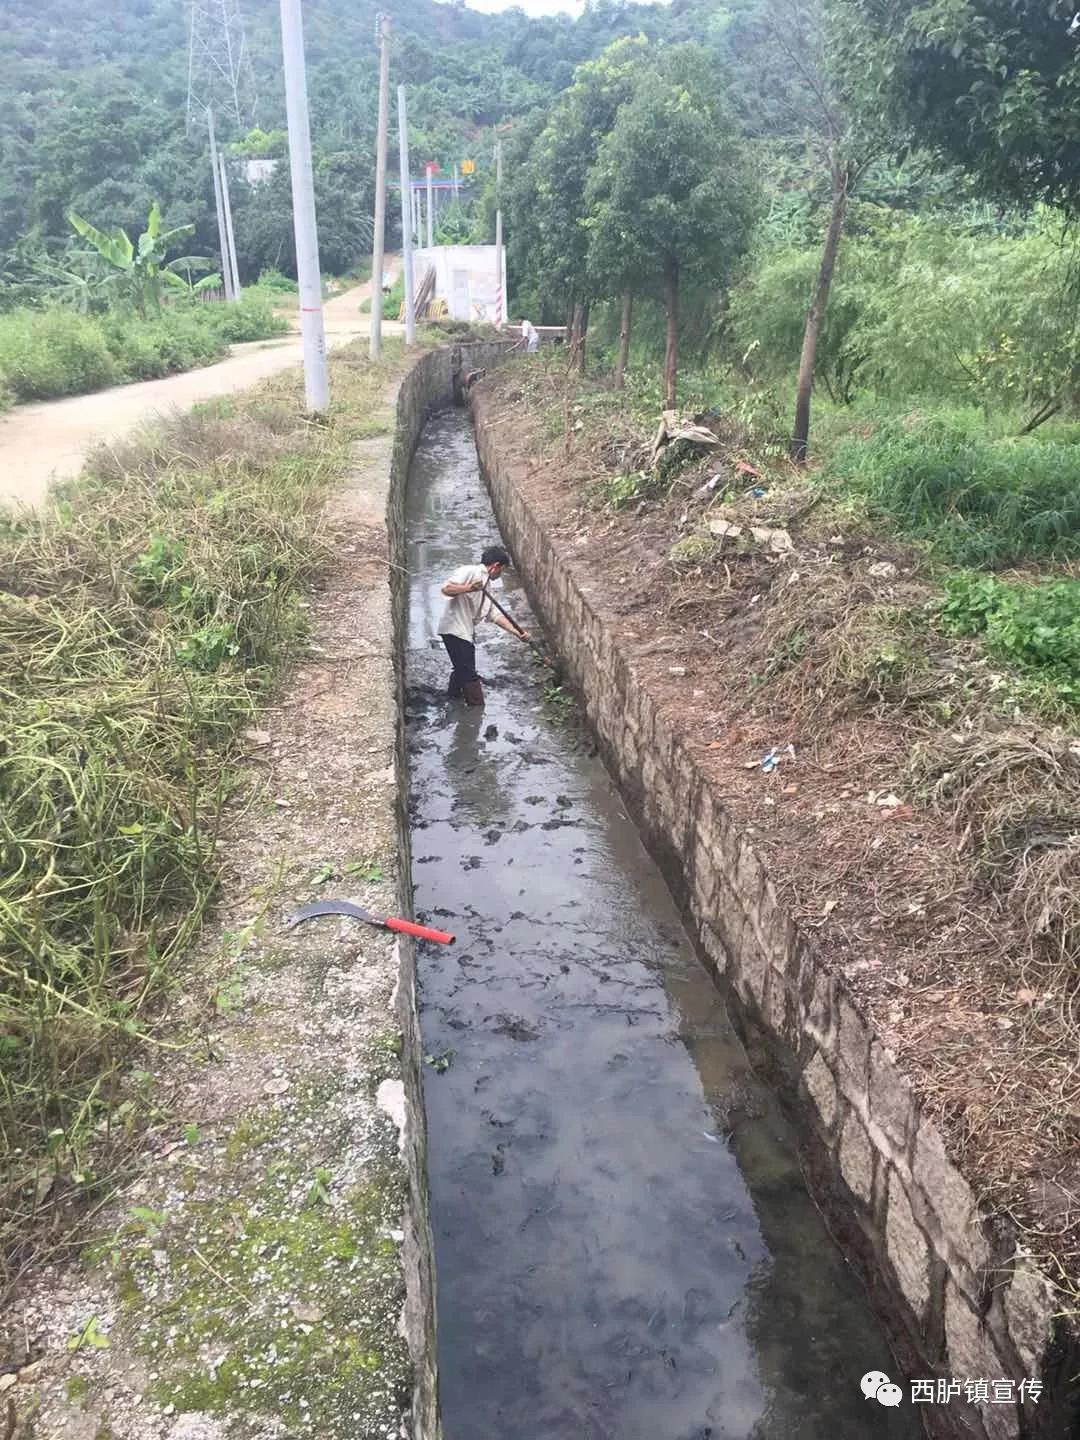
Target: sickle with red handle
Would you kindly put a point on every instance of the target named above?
(389, 922)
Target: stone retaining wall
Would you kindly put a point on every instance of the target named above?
(957, 1299)
(432, 383)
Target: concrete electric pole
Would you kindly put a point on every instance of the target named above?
(430, 221)
(406, 217)
(229, 236)
(382, 35)
(500, 299)
(223, 237)
(316, 374)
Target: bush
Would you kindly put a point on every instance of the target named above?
(977, 501)
(164, 344)
(1035, 627)
(275, 280)
(48, 353)
(251, 317)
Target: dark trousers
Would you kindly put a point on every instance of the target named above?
(463, 658)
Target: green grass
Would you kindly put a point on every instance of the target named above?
(45, 354)
(976, 500)
(144, 613)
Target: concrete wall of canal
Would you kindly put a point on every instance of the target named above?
(432, 383)
(955, 1293)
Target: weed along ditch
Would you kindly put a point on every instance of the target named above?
(624, 1245)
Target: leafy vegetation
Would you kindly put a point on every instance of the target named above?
(1034, 627)
(54, 352)
(977, 501)
(143, 615)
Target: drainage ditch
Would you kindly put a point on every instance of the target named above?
(624, 1244)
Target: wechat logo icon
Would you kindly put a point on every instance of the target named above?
(876, 1385)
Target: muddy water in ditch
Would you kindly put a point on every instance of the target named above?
(623, 1243)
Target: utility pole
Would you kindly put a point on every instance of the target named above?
(382, 35)
(430, 226)
(229, 236)
(223, 238)
(316, 375)
(500, 318)
(406, 217)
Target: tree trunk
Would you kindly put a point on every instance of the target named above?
(624, 338)
(575, 337)
(578, 331)
(671, 299)
(815, 318)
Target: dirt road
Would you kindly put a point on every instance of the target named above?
(49, 440)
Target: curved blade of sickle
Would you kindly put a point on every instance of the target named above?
(357, 912)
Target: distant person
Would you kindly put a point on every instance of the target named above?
(467, 604)
(530, 335)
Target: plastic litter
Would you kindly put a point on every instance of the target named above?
(768, 763)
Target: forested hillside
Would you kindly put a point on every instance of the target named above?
(92, 106)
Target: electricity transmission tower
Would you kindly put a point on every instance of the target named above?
(220, 76)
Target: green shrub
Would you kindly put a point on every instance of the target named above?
(977, 501)
(48, 353)
(1034, 627)
(175, 339)
(275, 280)
(251, 317)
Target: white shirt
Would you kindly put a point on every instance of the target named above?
(530, 334)
(463, 611)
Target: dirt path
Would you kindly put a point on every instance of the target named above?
(49, 440)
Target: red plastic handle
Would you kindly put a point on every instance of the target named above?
(420, 931)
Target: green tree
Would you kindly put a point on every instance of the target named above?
(143, 271)
(672, 193)
(548, 204)
(992, 85)
(823, 112)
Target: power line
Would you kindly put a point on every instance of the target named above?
(219, 66)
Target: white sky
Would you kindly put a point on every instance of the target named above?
(531, 7)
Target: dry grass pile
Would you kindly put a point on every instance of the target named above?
(144, 612)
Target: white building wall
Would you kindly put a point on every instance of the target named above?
(464, 278)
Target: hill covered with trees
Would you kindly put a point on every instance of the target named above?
(93, 108)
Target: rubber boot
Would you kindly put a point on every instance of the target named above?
(474, 692)
(454, 687)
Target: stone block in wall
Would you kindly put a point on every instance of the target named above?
(774, 1006)
(820, 1009)
(856, 1156)
(971, 1355)
(714, 947)
(951, 1201)
(749, 876)
(821, 1087)
(1030, 1308)
(753, 966)
(892, 1105)
(908, 1250)
(778, 931)
(852, 1051)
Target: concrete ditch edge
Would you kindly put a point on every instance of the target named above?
(954, 1291)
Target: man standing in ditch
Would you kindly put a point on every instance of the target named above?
(467, 603)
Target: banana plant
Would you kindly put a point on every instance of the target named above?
(143, 268)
